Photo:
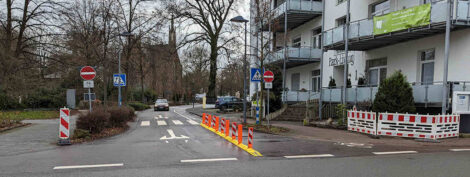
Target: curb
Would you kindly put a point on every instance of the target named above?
(251, 151)
(14, 127)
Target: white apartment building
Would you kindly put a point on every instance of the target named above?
(374, 52)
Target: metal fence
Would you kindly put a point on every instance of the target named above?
(295, 53)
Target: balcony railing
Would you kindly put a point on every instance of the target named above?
(295, 53)
(364, 29)
(298, 5)
(423, 93)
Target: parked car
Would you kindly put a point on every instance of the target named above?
(161, 104)
(232, 103)
(221, 100)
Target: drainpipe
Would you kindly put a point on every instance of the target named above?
(446, 58)
(320, 102)
(285, 56)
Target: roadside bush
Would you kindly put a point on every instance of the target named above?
(138, 106)
(94, 122)
(8, 103)
(394, 95)
(341, 113)
(46, 98)
(120, 116)
(149, 95)
(80, 133)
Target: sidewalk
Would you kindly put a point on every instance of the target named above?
(297, 130)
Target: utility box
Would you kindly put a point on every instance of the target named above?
(461, 105)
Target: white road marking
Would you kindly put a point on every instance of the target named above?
(177, 122)
(459, 150)
(189, 118)
(145, 123)
(395, 152)
(173, 136)
(165, 117)
(192, 122)
(208, 160)
(160, 116)
(161, 122)
(309, 156)
(88, 166)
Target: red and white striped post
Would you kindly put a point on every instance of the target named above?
(240, 133)
(64, 127)
(203, 118)
(213, 122)
(234, 129)
(209, 120)
(222, 126)
(216, 127)
(250, 137)
(227, 128)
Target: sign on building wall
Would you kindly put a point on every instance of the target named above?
(403, 19)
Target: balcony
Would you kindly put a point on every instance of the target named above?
(362, 37)
(296, 56)
(298, 12)
(424, 95)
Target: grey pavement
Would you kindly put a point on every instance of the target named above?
(140, 151)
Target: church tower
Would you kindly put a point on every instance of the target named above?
(172, 34)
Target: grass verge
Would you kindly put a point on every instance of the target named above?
(108, 132)
(22, 115)
(265, 129)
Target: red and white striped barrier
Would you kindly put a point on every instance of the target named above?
(418, 126)
(234, 130)
(447, 126)
(363, 122)
(213, 122)
(64, 131)
(250, 137)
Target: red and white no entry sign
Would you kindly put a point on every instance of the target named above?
(268, 76)
(88, 73)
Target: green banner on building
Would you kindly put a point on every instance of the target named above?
(403, 19)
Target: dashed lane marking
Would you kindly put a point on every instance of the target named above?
(189, 118)
(208, 160)
(161, 122)
(145, 123)
(177, 122)
(88, 166)
(394, 152)
(192, 122)
(309, 156)
(459, 150)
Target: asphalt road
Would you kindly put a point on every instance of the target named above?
(172, 144)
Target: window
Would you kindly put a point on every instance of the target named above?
(295, 82)
(316, 38)
(341, 21)
(377, 71)
(296, 42)
(316, 81)
(426, 58)
(340, 1)
(380, 8)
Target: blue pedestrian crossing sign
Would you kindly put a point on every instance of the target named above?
(256, 75)
(119, 80)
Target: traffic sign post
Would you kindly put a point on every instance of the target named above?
(268, 77)
(255, 75)
(88, 73)
(119, 81)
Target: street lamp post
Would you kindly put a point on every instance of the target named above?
(240, 19)
(126, 34)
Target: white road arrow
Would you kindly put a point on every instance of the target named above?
(173, 136)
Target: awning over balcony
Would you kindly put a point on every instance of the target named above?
(298, 13)
(362, 36)
(296, 56)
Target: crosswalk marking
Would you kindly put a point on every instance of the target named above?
(161, 122)
(177, 122)
(160, 116)
(145, 123)
(192, 122)
(394, 152)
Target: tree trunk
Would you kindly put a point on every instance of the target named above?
(213, 71)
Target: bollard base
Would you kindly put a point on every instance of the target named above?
(64, 142)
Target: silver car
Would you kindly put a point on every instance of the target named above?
(161, 104)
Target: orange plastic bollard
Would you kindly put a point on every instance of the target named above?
(216, 124)
(204, 118)
(227, 127)
(250, 137)
(240, 133)
(209, 120)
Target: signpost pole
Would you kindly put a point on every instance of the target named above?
(267, 107)
(119, 87)
(89, 99)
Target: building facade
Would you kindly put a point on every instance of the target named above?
(380, 43)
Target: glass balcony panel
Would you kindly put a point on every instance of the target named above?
(338, 34)
(462, 10)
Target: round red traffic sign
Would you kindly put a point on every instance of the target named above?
(268, 76)
(88, 73)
